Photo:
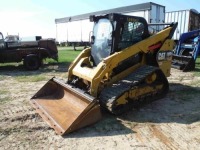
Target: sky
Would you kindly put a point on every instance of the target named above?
(37, 17)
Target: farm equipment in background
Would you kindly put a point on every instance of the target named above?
(187, 51)
(125, 68)
(30, 52)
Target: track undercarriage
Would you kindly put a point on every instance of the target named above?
(141, 87)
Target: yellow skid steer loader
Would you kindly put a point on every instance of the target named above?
(124, 68)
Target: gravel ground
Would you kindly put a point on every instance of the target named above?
(169, 123)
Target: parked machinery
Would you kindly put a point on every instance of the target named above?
(124, 68)
(31, 53)
(187, 51)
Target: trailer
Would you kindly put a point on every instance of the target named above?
(76, 30)
(188, 20)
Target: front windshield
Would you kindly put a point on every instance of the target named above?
(11, 38)
(102, 40)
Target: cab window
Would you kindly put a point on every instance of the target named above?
(131, 32)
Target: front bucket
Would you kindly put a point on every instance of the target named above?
(65, 108)
(185, 63)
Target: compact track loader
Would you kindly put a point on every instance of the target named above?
(124, 68)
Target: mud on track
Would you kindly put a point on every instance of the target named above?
(170, 123)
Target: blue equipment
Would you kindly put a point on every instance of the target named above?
(187, 51)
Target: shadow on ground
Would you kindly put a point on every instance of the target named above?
(109, 126)
(181, 105)
(18, 70)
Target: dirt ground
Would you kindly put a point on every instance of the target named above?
(169, 123)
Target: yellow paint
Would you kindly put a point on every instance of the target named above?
(101, 75)
(122, 99)
(136, 92)
(151, 78)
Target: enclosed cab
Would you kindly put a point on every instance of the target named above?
(124, 68)
(12, 41)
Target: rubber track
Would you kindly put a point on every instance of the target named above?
(110, 94)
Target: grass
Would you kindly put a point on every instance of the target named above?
(35, 78)
(2, 92)
(66, 54)
(3, 97)
(10, 64)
